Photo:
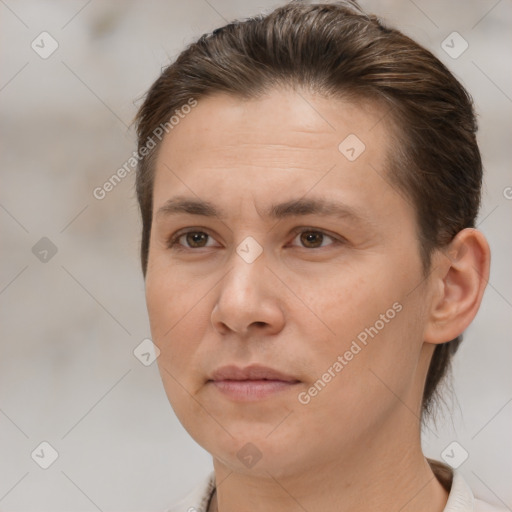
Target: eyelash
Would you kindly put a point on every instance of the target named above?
(174, 245)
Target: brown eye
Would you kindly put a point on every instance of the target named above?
(311, 239)
(190, 240)
(314, 239)
(196, 238)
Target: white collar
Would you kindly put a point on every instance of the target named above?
(460, 498)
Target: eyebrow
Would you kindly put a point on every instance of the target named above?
(292, 208)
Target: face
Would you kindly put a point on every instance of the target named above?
(284, 285)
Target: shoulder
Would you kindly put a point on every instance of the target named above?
(198, 498)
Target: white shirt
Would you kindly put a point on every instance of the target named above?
(460, 498)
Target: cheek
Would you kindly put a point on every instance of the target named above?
(172, 307)
(177, 333)
(375, 325)
(348, 298)
(171, 293)
(367, 380)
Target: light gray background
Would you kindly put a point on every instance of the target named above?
(69, 326)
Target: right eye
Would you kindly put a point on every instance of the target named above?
(192, 239)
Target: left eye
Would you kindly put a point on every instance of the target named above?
(312, 239)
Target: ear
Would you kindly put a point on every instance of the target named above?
(460, 275)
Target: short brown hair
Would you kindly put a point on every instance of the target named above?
(337, 50)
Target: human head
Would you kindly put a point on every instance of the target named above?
(338, 51)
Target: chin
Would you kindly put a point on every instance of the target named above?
(252, 451)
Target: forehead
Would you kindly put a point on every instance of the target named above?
(281, 116)
(283, 144)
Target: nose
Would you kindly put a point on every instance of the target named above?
(248, 301)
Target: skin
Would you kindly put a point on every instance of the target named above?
(298, 306)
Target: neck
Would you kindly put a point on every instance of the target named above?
(380, 475)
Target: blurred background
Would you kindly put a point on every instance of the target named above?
(72, 310)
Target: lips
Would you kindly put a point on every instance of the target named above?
(252, 383)
(254, 372)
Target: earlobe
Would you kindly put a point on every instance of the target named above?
(461, 277)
